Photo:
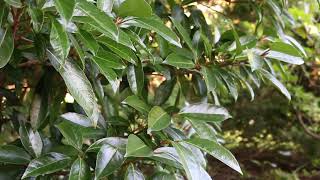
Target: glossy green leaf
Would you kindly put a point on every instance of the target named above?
(193, 169)
(163, 175)
(59, 41)
(281, 57)
(133, 174)
(277, 83)
(216, 150)
(108, 60)
(38, 111)
(6, 46)
(13, 155)
(135, 78)
(65, 9)
(138, 104)
(155, 24)
(137, 8)
(79, 170)
(37, 18)
(99, 17)
(137, 148)
(183, 33)
(14, 3)
(50, 163)
(116, 142)
(205, 112)
(121, 50)
(109, 159)
(255, 60)
(89, 41)
(122, 38)
(158, 119)
(31, 140)
(285, 48)
(210, 78)
(78, 49)
(71, 134)
(78, 86)
(105, 5)
(203, 129)
(167, 155)
(164, 91)
(179, 61)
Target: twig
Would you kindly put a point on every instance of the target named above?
(304, 126)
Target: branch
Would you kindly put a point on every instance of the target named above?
(304, 126)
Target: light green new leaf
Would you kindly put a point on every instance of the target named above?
(277, 83)
(205, 112)
(137, 103)
(155, 24)
(133, 173)
(136, 8)
(79, 170)
(89, 41)
(65, 9)
(121, 50)
(191, 166)
(59, 41)
(108, 60)
(6, 46)
(158, 119)
(179, 61)
(72, 134)
(255, 60)
(217, 151)
(137, 148)
(99, 17)
(50, 163)
(135, 78)
(109, 159)
(13, 155)
(78, 85)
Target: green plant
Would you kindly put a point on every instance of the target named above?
(146, 78)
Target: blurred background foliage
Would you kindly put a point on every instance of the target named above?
(271, 137)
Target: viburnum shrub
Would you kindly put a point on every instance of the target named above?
(128, 89)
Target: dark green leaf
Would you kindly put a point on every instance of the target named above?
(59, 41)
(135, 78)
(179, 61)
(217, 151)
(13, 155)
(89, 41)
(167, 155)
(6, 46)
(116, 142)
(14, 3)
(37, 18)
(78, 85)
(52, 162)
(205, 112)
(109, 159)
(158, 119)
(65, 8)
(107, 59)
(99, 17)
(71, 134)
(31, 140)
(203, 129)
(191, 166)
(79, 170)
(137, 148)
(133, 173)
(277, 83)
(138, 104)
(155, 24)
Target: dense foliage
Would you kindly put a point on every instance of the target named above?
(113, 88)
